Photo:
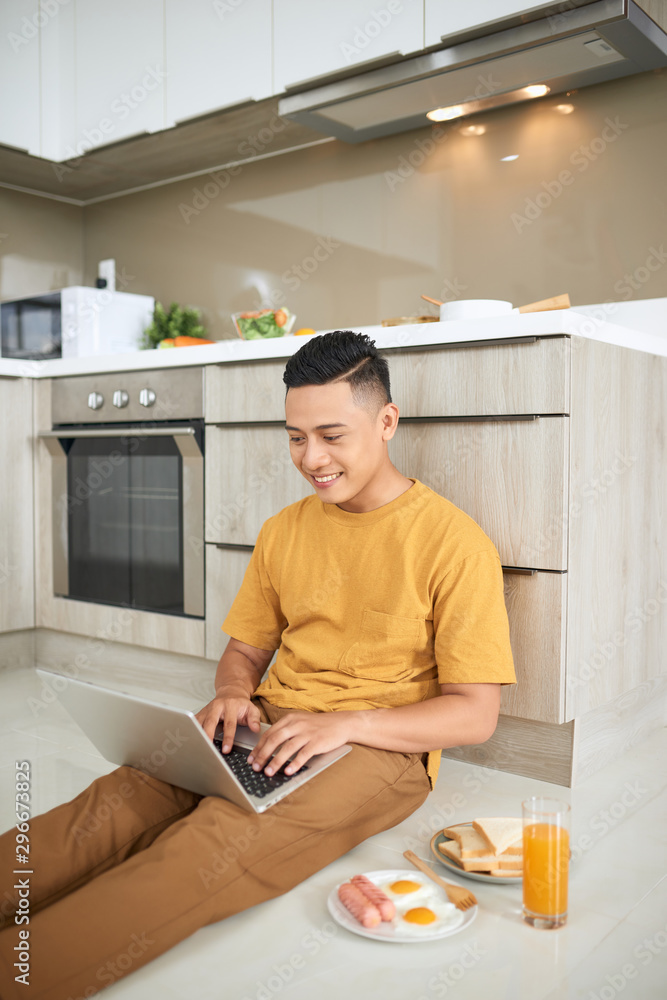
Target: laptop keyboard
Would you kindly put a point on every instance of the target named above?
(254, 782)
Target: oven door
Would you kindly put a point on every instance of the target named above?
(128, 516)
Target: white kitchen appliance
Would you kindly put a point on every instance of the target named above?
(74, 322)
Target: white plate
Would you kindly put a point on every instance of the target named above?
(391, 930)
(477, 876)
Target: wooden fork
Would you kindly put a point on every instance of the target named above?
(463, 899)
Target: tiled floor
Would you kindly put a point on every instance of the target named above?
(615, 941)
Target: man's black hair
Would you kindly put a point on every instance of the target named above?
(342, 356)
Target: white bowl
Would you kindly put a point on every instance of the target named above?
(474, 309)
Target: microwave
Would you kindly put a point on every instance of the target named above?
(74, 322)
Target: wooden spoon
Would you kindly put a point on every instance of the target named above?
(462, 899)
(557, 302)
(436, 302)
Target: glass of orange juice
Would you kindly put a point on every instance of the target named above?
(546, 858)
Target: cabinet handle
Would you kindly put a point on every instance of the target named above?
(487, 418)
(522, 571)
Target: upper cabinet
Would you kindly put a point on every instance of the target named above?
(19, 74)
(443, 18)
(318, 38)
(57, 77)
(120, 70)
(218, 53)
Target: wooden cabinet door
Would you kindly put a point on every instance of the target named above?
(225, 568)
(249, 477)
(536, 608)
(17, 597)
(508, 475)
(245, 392)
(529, 377)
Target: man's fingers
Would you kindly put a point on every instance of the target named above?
(254, 718)
(229, 731)
(208, 721)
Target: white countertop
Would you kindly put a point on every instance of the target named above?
(590, 322)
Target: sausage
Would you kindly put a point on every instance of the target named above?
(376, 896)
(359, 905)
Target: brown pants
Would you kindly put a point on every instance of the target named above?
(134, 865)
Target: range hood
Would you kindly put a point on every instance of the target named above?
(571, 48)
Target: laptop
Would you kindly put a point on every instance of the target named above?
(170, 744)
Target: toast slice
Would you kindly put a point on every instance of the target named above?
(506, 872)
(499, 833)
(472, 844)
(452, 850)
(515, 848)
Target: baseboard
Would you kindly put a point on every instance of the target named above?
(541, 750)
(571, 753)
(17, 649)
(183, 680)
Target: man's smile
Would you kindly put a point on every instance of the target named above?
(323, 480)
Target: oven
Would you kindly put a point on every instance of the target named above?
(127, 454)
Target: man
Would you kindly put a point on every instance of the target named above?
(385, 604)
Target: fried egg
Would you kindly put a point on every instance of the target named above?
(407, 891)
(418, 921)
(420, 908)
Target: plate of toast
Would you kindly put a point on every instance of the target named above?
(485, 849)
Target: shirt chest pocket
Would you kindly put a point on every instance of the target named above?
(383, 648)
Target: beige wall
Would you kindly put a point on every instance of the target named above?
(395, 217)
(41, 244)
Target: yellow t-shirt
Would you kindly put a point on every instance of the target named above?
(376, 609)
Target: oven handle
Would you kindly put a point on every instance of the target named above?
(86, 432)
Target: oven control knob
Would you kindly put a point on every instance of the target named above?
(120, 398)
(146, 397)
(95, 400)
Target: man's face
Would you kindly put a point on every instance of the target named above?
(330, 436)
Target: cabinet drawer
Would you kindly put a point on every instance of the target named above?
(508, 475)
(249, 477)
(225, 569)
(245, 391)
(536, 606)
(530, 377)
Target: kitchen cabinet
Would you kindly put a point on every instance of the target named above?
(249, 477)
(19, 75)
(225, 567)
(444, 19)
(509, 475)
(17, 604)
(218, 54)
(57, 76)
(320, 38)
(120, 71)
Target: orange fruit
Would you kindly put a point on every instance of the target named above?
(305, 331)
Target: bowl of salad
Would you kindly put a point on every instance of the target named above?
(264, 323)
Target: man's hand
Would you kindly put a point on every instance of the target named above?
(233, 709)
(239, 672)
(300, 735)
